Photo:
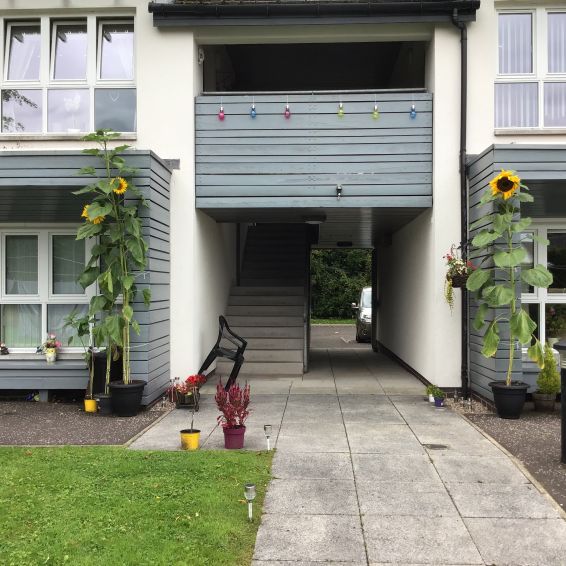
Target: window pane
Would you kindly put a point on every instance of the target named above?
(24, 54)
(557, 43)
(516, 105)
(68, 111)
(117, 51)
(21, 111)
(68, 262)
(515, 44)
(56, 315)
(20, 325)
(555, 105)
(21, 265)
(528, 262)
(556, 322)
(557, 261)
(70, 52)
(115, 108)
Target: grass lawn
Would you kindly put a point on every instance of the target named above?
(113, 506)
(333, 321)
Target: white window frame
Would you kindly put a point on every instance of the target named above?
(53, 51)
(113, 82)
(46, 81)
(44, 297)
(6, 57)
(543, 297)
(540, 74)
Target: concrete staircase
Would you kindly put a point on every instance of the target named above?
(268, 308)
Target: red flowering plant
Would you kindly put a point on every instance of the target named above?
(233, 404)
(51, 343)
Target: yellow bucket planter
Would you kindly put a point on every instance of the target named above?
(90, 406)
(190, 438)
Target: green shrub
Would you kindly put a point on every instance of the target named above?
(438, 393)
(548, 380)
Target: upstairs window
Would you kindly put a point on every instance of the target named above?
(530, 89)
(84, 81)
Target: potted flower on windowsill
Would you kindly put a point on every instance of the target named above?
(117, 260)
(233, 404)
(49, 348)
(548, 382)
(497, 284)
(457, 273)
(439, 397)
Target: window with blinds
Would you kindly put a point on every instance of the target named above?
(530, 89)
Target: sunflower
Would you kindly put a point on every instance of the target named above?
(122, 186)
(505, 184)
(96, 220)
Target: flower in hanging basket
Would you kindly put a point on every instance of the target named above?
(457, 273)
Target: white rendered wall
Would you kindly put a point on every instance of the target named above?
(167, 78)
(415, 322)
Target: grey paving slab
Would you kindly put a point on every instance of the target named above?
(308, 497)
(394, 468)
(310, 538)
(496, 500)
(382, 439)
(371, 414)
(540, 542)
(420, 540)
(254, 438)
(302, 563)
(312, 466)
(477, 469)
(298, 437)
(424, 499)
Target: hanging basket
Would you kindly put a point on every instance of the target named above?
(188, 400)
(458, 281)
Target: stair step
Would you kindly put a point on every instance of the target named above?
(249, 332)
(265, 310)
(270, 344)
(265, 300)
(244, 320)
(268, 356)
(262, 368)
(291, 291)
(264, 282)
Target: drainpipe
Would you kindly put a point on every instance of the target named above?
(464, 370)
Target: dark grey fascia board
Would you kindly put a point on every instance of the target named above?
(326, 12)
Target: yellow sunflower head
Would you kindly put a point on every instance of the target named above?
(505, 184)
(122, 186)
(95, 220)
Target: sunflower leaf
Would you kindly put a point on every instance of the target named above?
(540, 240)
(479, 319)
(538, 276)
(498, 295)
(522, 224)
(502, 222)
(510, 259)
(484, 238)
(482, 221)
(536, 353)
(477, 279)
(522, 326)
(525, 197)
(490, 340)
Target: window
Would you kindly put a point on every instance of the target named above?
(547, 307)
(39, 285)
(530, 89)
(68, 76)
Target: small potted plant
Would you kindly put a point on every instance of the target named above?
(430, 392)
(457, 273)
(439, 397)
(190, 437)
(49, 348)
(548, 382)
(233, 404)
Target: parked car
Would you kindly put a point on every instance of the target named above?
(363, 317)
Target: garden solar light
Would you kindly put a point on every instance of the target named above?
(561, 347)
(249, 493)
(267, 430)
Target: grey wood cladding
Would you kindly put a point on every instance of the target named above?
(273, 162)
(46, 179)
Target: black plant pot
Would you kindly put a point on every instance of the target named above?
(126, 398)
(104, 404)
(509, 399)
(99, 378)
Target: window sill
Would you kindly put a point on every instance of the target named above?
(24, 357)
(56, 137)
(529, 132)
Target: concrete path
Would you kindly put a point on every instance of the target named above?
(368, 472)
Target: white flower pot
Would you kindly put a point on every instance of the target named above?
(50, 355)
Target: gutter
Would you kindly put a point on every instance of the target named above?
(431, 10)
(464, 369)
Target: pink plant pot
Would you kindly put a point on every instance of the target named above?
(234, 438)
